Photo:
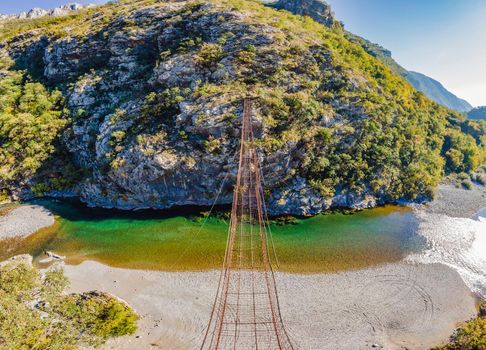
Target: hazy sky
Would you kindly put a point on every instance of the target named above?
(444, 39)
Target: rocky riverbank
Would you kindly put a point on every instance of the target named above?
(24, 220)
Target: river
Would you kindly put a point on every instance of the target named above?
(184, 240)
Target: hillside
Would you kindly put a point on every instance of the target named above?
(428, 86)
(477, 113)
(137, 104)
(321, 12)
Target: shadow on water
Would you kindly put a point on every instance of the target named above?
(175, 239)
(74, 210)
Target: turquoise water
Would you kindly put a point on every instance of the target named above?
(178, 240)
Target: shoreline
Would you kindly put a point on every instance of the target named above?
(395, 306)
(20, 220)
(25, 220)
(457, 202)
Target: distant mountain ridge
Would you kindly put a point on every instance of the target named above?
(477, 113)
(321, 12)
(437, 92)
(40, 12)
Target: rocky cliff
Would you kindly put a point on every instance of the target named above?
(138, 104)
(318, 10)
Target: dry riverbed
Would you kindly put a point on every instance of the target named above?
(24, 220)
(458, 202)
(396, 306)
(404, 305)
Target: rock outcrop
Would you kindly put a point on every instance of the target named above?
(318, 10)
(154, 94)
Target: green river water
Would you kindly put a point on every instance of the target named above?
(176, 240)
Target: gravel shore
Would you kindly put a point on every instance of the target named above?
(24, 220)
(397, 306)
(458, 202)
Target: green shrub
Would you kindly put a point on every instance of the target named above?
(35, 314)
(162, 105)
(467, 184)
(246, 56)
(40, 189)
(463, 176)
(117, 163)
(98, 314)
(461, 152)
(480, 179)
(187, 44)
(4, 195)
(31, 120)
(286, 220)
(209, 54)
(212, 144)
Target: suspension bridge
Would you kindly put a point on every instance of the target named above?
(246, 312)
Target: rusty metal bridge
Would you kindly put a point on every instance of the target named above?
(246, 311)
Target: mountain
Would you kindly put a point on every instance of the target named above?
(321, 12)
(39, 12)
(477, 113)
(430, 87)
(137, 105)
(435, 91)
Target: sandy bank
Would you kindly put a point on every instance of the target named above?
(457, 202)
(395, 306)
(24, 220)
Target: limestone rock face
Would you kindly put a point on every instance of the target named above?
(36, 13)
(318, 10)
(185, 154)
(154, 96)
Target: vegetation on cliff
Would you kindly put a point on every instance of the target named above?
(36, 314)
(31, 119)
(153, 92)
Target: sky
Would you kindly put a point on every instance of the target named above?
(444, 39)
